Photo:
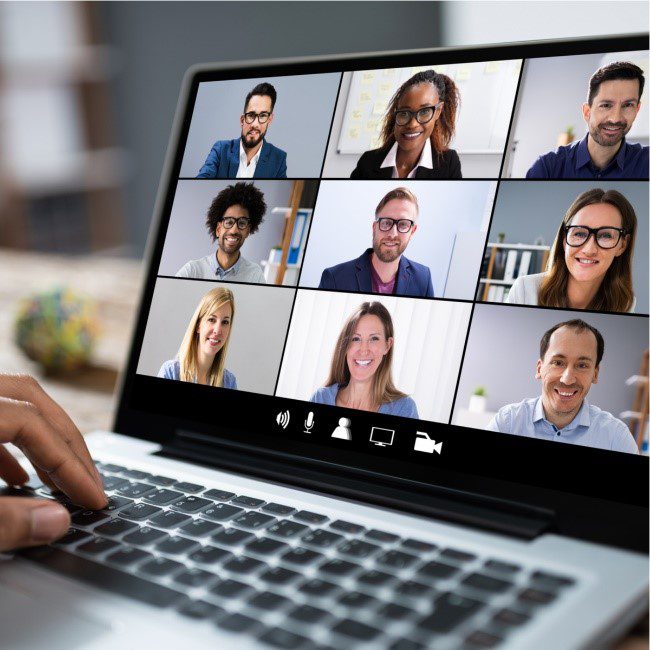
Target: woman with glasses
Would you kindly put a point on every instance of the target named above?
(590, 262)
(418, 127)
(235, 213)
(201, 358)
(360, 376)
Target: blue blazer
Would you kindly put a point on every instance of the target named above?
(223, 161)
(413, 279)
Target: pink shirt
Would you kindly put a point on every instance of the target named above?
(381, 287)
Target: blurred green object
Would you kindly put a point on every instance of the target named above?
(58, 329)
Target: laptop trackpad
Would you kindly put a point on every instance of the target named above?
(30, 622)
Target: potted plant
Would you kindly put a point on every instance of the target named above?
(566, 137)
(478, 400)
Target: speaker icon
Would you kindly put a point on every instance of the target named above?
(283, 418)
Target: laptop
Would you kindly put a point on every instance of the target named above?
(311, 447)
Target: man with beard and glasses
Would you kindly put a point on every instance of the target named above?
(383, 268)
(235, 213)
(569, 362)
(612, 105)
(249, 156)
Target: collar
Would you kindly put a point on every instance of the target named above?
(242, 155)
(216, 267)
(581, 419)
(583, 158)
(426, 157)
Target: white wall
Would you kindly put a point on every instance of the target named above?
(428, 345)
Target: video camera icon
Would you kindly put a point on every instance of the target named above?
(425, 444)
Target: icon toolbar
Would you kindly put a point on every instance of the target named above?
(382, 437)
(425, 444)
(342, 432)
(283, 418)
(309, 422)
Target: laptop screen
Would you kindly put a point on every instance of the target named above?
(419, 264)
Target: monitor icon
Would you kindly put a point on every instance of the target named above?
(425, 444)
(382, 437)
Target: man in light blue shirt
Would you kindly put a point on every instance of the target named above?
(568, 364)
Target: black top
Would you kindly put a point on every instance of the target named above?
(447, 165)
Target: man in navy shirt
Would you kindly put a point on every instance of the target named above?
(249, 156)
(611, 108)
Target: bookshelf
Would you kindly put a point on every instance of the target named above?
(503, 263)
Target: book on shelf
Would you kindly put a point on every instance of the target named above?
(511, 262)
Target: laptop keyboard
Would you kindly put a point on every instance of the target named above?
(290, 577)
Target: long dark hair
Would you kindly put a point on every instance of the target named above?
(444, 129)
(615, 292)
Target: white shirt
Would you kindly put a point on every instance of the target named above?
(246, 169)
(426, 160)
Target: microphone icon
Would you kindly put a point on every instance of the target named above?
(309, 422)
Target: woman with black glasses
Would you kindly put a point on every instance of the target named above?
(591, 258)
(418, 127)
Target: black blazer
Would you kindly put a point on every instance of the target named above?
(368, 166)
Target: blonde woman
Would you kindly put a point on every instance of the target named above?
(360, 375)
(590, 266)
(202, 356)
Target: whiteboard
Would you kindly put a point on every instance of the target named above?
(487, 92)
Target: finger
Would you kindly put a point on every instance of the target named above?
(22, 424)
(10, 470)
(26, 388)
(29, 522)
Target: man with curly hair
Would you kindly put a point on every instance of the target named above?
(235, 213)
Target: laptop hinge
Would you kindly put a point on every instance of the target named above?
(456, 506)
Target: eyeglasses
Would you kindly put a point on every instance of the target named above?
(242, 222)
(386, 224)
(605, 236)
(261, 117)
(424, 115)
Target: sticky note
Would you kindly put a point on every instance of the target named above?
(389, 72)
(492, 67)
(364, 96)
(353, 134)
(372, 125)
(379, 108)
(463, 73)
(367, 78)
(384, 89)
(356, 114)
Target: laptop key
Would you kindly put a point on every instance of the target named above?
(309, 517)
(191, 504)
(286, 529)
(209, 555)
(168, 519)
(138, 511)
(536, 597)
(276, 637)
(218, 495)
(253, 520)
(199, 609)
(229, 589)
(307, 614)
(88, 517)
(407, 644)
(510, 618)
(102, 576)
(321, 538)
(265, 546)
(278, 509)
(482, 639)
(318, 588)
(437, 570)
(221, 512)
(73, 536)
(243, 565)
(267, 601)
(200, 528)
(116, 502)
(144, 536)
(127, 556)
(114, 482)
(396, 560)
(232, 537)
(449, 612)
(249, 502)
(162, 481)
(502, 567)
(456, 555)
(279, 576)
(374, 578)
(301, 556)
(358, 548)
(418, 546)
(486, 583)
(176, 545)
(163, 497)
(412, 589)
(356, 630)
(136, 474)
(112, 467)
(97, 546)
(160, 566)
(381, 536)
(394, 612)
(347, 527)
(339, 568)
(195, 578)
(238, 623)
(115, 528)
(190, 488)
(552, 580)
(135, 490)
(356, 600)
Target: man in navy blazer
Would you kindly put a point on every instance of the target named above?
(383, 268)
(249, 156)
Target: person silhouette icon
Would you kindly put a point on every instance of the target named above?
(343, 430)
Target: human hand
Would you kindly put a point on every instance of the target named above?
(40, 428)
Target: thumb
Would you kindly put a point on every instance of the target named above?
(29, 522)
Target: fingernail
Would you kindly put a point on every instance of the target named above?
(49, 522)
